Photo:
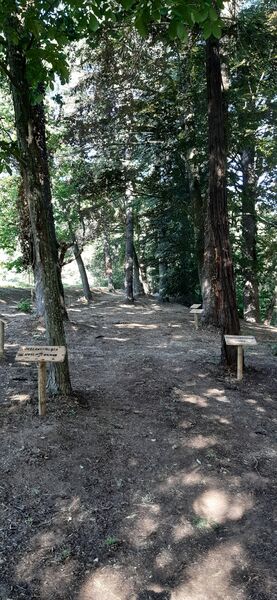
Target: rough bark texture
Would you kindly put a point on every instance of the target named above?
(30, 127)
(217, 211)
(108, 262)
(129, 255)
(208, 276)
(251, 307)
(138, 286)
(82, 271)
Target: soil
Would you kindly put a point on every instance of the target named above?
(156, 481)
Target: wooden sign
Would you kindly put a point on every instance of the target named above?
(240, 340)
(195, 306)
(196, 312)
(41, 354)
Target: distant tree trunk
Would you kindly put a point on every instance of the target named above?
(162, 264)
(271, 313)
(129, 262)
(143, 274)
(162, 276)
(82, 271)
(30, 127)
(217, 211)
(251, 306)
(138, 286)
(108, 261)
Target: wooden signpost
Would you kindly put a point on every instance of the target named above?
(41, 355)
(195, 306)
(196, 312)
(240, 341)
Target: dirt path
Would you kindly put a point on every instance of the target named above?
(158, 484)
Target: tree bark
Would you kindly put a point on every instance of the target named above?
(30, 127)
(138, 286)
(208, 276)
(82, 271)
(217, 211)
(129, 262)
(251, 306)
(108, 262)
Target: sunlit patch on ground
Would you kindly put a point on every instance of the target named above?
(107, 584)
(218, 506)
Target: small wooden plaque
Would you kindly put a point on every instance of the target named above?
(197, 311)
(195, 306)
(240, 340)
(41, 354)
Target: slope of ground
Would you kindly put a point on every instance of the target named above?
(158, 483)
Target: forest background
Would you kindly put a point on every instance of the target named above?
(125, 165)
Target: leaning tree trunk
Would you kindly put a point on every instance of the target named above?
(217, 211)
(138, 286)
(129, 261)
(251, 306)
(82, 271)
(30, 127)
(108, 261)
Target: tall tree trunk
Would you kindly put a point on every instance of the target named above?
(129, 262)
(30, 127)
(208, 276)
(82, 271)
(217, 210)
(251, 306)
(138, 286)
(108, 261)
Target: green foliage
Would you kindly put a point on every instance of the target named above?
(24, 305)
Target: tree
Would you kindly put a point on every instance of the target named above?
(23, 34)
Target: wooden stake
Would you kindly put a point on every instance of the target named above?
(240, 363)
(196, 320)
(42, 388)
(2, 335)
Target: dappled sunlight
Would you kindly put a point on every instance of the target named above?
(107, 583)
(115, 339)
(217, 395)
(190, 398)
(200, 442)
(18, 399)
(164, 558)
(146, 523)
(182, 478)
(135, 326)
(219, 506)
(210, 578)
(43, 546)
(183, 529)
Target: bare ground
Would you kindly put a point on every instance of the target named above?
(158, 483)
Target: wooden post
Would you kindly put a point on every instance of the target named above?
(2, 335)
(196, 320)
(240, 363)
(42, 388)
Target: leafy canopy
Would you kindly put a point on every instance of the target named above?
(42, 28)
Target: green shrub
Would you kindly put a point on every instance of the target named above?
(25, 305)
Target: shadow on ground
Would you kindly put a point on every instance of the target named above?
(162, 489)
